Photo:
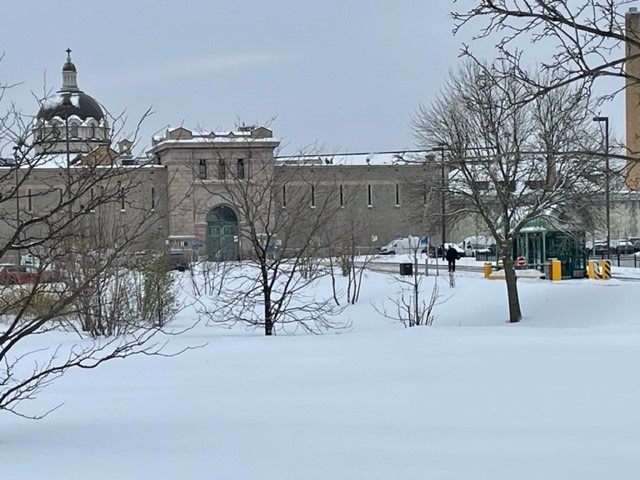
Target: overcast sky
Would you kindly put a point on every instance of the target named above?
(346, 74)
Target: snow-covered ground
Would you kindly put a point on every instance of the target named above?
(553, 397)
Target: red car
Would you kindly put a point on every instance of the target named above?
(20, 274)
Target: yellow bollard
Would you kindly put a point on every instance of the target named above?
(487, 269)
(593, 272)
(556, 269)
(606, 269)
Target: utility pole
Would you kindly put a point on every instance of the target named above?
(16, 164)
(66, 101)
(605, 120)
(442, 197)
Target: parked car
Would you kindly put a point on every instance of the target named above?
(599, 247)
(472, 250)
(636, 243)
(624, 247)
(179, 261)
(400, 245)
(440, 253)
(482, 244)
(21, 274)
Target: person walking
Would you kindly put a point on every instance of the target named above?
(452, 256)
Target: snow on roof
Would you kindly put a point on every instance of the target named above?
(59, 160)
(182, 135)
(348, 159)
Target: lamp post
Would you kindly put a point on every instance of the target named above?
(66, 102)
(16, 164)
(442, 195)
(605, 120)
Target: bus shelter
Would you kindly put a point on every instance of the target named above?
(538, 242)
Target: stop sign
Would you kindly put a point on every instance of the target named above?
(521, 261)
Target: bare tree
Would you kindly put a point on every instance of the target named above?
(346, 231)
(584, 41)
(513, 161)
(283, 215)
(78, 218)
(588, 35)
(411, 309)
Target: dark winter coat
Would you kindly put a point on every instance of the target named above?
(451, 255)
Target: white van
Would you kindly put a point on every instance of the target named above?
(478, 244)
(401, 245)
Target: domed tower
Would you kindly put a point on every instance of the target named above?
(72, 120)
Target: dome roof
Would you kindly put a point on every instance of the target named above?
(81, 105)
(69, 67)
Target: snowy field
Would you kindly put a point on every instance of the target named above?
(554, 397)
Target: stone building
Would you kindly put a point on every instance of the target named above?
(64, 176)
(212, 176)
(632, 98)
(205, 192)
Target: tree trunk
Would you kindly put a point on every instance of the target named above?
(515, 314)
(268, 314)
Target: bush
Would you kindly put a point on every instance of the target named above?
(15, 299)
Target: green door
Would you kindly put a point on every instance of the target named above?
(568, 247)
(222, 235)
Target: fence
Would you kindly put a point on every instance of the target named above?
(621, 260)
(617, 259)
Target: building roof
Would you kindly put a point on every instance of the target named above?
(80, 104)
(181, 136)
(70, 100)
(406, 157)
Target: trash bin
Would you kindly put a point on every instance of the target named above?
(406, 269)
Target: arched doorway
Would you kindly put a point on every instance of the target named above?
(222, 234)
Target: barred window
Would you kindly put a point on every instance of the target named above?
(202, 169)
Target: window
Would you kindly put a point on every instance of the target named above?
(508, 186)
(535, 184)
(240, 168)
(369, 204)
(397, 195)
(202, 169)
(284, 196)
(313, 196)
(341, 196)
(222, 173)
(480, 185)
(122, 200)
(153, 198)
(29, 201)
(92, 207)
(93, 130)
(73, 130)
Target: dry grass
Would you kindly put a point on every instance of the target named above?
(14, 299)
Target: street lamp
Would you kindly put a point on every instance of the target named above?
(66, 102)
(442, 195)
(16, 164)
(606, 180)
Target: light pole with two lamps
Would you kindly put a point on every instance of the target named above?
(605, 120)
(66, 102)
(16, 165)
(442, 147)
